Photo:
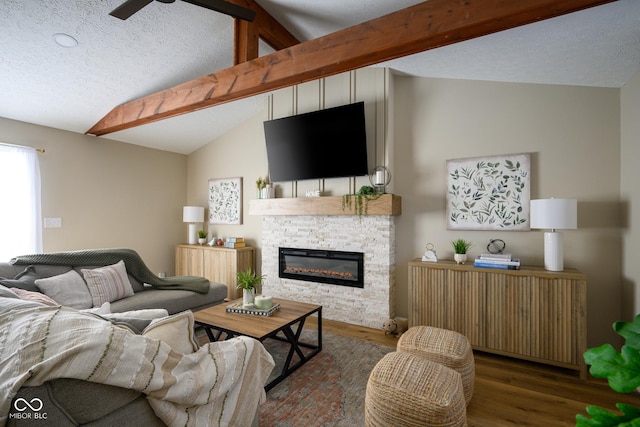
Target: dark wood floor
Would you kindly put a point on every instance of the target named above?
(511, 392)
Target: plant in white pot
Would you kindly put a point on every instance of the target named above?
(460, 248)
(202, 237)
(247, 281)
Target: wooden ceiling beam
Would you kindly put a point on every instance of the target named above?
(265, 27)
(418, 28)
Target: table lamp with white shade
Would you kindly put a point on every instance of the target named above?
(193, 215)
(554, 214)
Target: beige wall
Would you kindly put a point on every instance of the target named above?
(573, 136)
(239, 153)
(108, 194)
(630, 194)
(242, 152)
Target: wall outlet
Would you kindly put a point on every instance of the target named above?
(53, 223)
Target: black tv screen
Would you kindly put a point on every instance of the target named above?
(328, 143)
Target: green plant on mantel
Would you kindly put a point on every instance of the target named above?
(202, 234)
(623, 372)
(362, 198)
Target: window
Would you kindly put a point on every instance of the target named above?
(20, 215)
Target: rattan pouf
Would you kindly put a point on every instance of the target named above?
(408, 390)
(443, 346)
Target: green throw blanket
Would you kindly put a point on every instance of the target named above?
(101, 257)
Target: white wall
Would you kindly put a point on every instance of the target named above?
(630, 195)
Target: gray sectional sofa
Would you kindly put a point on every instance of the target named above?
(21, 273)
(77, 402)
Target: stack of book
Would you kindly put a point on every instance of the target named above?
(502, 261)
(234, 242)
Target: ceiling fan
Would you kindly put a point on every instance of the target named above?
(129, 7)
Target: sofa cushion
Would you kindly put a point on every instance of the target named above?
(68, 289)
(26, 277)
(176, 330)
(27, 285)
(35, 297)
(108, 284)
(174, 301)
(72, 402)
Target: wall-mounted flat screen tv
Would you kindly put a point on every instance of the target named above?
(329, 143)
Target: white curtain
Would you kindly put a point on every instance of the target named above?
(20, 214)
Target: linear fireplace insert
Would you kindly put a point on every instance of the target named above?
(322, 266)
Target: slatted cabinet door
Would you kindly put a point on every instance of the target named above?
(509, 313)
(427, 297)
(466, 305)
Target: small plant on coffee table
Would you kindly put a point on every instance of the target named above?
(247, 280)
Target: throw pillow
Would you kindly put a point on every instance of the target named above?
(66, 289)
(108, 284)
(35, 297)
(175, 330)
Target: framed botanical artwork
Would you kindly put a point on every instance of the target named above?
(225, 201)
(489, 193)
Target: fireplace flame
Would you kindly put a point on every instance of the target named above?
(320, 272)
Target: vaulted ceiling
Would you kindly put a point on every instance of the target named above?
(164, 45)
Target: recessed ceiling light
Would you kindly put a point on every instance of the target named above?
(64, 40)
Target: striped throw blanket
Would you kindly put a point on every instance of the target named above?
(220, 384)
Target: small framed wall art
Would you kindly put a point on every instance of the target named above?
(225, 201)
(489, 193)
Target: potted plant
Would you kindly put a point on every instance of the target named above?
(621, 370)
(362, 197)
(202, 237)
(460, 248)
(261, 184)
(247, 281)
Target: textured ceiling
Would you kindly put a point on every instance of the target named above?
(167, 44)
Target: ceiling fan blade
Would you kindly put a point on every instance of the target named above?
(128, 8)
(226, 8)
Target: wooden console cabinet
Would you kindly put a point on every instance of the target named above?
(217, 264)
(530, 313)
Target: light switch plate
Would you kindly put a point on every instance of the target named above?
(53, 223)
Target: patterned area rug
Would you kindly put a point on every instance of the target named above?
(328, 390)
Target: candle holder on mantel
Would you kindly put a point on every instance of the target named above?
(380, 177)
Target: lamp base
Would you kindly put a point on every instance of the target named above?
(553, 254)
(193, 233)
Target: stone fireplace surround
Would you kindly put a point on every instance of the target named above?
(374, 235)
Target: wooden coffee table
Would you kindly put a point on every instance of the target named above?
(216, 322)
